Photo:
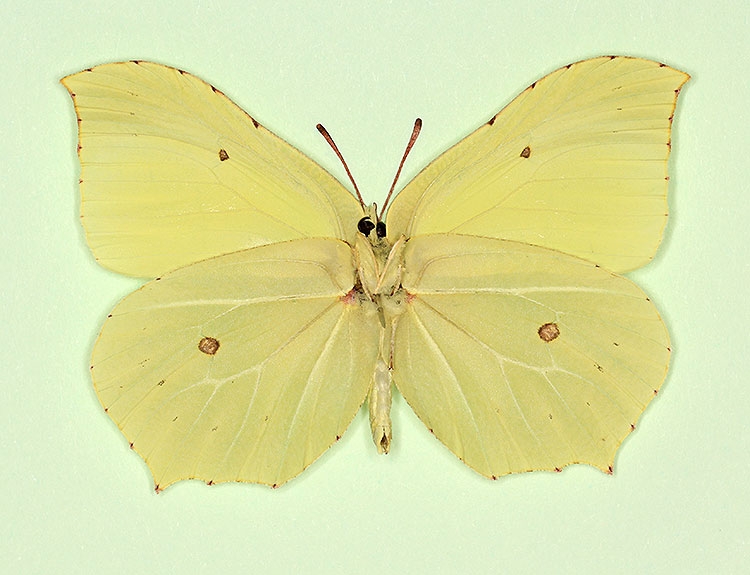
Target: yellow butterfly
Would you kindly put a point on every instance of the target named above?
(488, 295)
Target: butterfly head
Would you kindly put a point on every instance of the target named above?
(372, 227)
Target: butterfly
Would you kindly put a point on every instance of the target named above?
(488, 292)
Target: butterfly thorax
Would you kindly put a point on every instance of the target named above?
(378, 269)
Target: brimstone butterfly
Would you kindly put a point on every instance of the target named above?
(488, 294)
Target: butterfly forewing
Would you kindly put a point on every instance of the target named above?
(577, 162)
(173, 172)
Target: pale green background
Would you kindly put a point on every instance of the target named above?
(75, 499)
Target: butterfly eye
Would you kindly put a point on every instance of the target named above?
(365, 226)
(380, 229)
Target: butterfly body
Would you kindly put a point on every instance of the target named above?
(378, 282)
(489, 295)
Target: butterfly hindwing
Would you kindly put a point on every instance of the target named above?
(243, 367)
(520, 358)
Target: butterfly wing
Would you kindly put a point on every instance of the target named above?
(173, 172)
(577, 162)
(243, 367)
(520, 358)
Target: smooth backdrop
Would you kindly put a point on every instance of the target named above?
(75, 499)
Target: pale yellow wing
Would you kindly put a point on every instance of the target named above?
(243, 367)
(520, 358)
(577, 162)
(173, 172)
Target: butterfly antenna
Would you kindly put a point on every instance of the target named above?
(331, 143)
(414, 134)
